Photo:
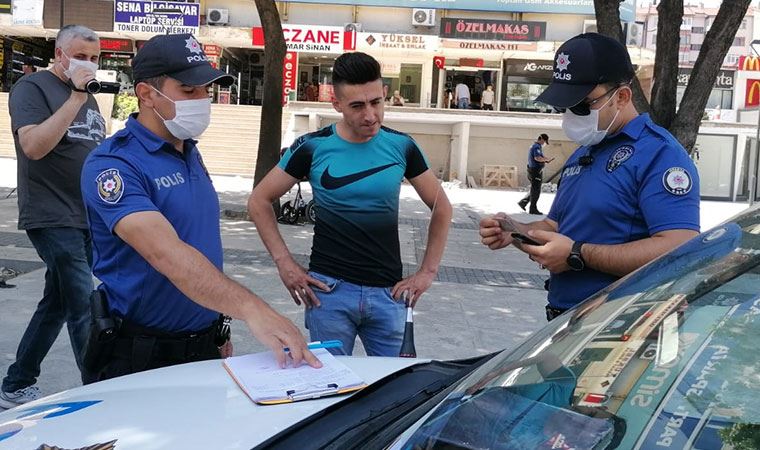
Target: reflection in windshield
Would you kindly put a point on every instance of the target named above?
(664, 358)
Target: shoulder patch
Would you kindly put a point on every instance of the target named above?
(110, 185)
(621, 155)
(677, 181)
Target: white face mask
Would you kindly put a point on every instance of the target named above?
(584, 130)
(191, 117)
(76, 64)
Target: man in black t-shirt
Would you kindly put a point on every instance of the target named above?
(55, 125)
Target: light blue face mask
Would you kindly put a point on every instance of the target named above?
(191, 117)
(584, 130)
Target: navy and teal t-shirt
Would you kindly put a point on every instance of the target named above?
(356, 190)
(134, 171)
(639, 182)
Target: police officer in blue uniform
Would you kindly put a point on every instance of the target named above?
(536, 163)
(154, 217)
(628, 194)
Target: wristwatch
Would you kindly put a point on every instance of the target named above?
(575, 259)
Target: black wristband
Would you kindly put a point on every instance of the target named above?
(73, 88)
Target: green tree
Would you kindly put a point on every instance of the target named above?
(684, 123)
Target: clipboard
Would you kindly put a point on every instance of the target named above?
(265, 383)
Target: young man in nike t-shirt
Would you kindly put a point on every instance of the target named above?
(354, 284)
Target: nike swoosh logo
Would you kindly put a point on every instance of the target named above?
(330, 182)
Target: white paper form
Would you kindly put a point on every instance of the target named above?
(262, 379)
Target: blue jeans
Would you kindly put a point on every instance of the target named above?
(67, 253)
(349, 309)
(464, 103)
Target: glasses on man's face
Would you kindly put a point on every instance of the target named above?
(584, 108)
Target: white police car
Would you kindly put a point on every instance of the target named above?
(664, 358)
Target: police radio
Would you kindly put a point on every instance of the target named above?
(585, 160)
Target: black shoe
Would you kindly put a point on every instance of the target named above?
(536, 212)
(522, 204)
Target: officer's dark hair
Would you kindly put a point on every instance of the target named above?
(355, 68)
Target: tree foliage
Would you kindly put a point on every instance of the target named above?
(684, 122)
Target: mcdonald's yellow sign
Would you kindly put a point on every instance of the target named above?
(752, 97)
(749, 63)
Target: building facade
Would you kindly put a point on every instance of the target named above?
(425, 47)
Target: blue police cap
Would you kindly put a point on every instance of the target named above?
(178, 56)
(582, 63)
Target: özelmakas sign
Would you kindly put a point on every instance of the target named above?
(492, 30)
(138, 16)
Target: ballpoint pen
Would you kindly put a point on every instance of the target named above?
(320, 344)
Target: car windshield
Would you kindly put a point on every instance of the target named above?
(664, 358)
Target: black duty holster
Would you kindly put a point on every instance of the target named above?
(103, 331)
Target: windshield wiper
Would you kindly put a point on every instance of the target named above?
(358, 419)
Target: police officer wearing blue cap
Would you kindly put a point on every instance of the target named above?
(627, 195)
(154, 217)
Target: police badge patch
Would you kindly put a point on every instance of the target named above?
(677, 181)
(110, 185)
(620, 156)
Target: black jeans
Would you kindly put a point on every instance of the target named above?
(536, 177)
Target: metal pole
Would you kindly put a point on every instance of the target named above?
(752, 170)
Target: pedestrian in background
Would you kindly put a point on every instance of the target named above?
(627, 195)
(536, 163)
(487, 98)
(55, 125)
(462, 92)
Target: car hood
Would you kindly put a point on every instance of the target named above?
(194, 405)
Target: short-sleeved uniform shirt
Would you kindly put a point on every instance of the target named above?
(641, 182)
(133, 171)
(48, 188)
(535, 150)
(356, 190)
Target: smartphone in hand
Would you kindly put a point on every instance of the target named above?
(507, 224)
(523, 239)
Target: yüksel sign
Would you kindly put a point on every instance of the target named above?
(395, 41)
(493, 30)
(724, 80)
(139, 16)
(314, 39)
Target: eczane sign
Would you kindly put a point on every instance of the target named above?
(312, 39)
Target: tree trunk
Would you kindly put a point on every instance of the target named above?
(608, 23)
(714, 49)
(665, 88)
(270, 129)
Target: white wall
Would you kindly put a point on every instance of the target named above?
(559, 27)
(310, 14)
(242, 13)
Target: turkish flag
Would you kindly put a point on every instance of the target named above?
(439, 61)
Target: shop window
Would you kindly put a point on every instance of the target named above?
(408, 83)
(520, 96)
